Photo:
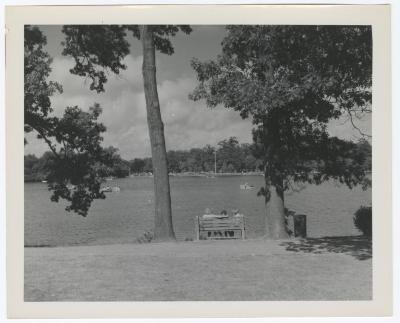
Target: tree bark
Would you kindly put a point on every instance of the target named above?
(163, 228)
(275, 226)
(275, 210)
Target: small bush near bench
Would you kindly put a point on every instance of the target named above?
(363, 220)
(146, 237)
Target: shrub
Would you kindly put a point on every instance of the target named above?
(363, 220)
(146, 237)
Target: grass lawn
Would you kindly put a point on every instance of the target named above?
(312, 269)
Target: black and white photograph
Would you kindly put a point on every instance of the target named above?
(198, 162)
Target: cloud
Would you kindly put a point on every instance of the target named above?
(191, 124)
(75, 85)
(343, 129)
(187, 124)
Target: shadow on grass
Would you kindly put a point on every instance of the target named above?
(38, 246)
(359, 247)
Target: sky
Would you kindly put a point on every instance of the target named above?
(187, 124)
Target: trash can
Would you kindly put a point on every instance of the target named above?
(300, 225)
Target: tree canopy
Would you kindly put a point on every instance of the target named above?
(194, 160)
(291, 81)
(99, 49)
(74, 139)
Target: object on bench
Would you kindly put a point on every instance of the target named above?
(219, 227)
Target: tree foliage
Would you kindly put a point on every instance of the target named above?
(35, 168)
(362, 220)
(201, 160)
(232, 157)
(37, 90)
(39, 169)
(74, 139)
(99, 49)
(292, 80)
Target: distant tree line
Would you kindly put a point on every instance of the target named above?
(38, 169)
(231, 157)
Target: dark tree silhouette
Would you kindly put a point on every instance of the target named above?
(74, 140)
(292, 80)
(97, 49)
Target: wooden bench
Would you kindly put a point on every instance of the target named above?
(219, 227)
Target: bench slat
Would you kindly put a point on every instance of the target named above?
(222, 222)
(211, 226)
(222, 226)
(225, 223)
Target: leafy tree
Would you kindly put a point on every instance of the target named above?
(98, 49)
(35, 168)
(74, 139)
(148, 165)
(250, 163)
(208, 153)
(174, 160)
(292, 80)
(40, 169)
(80, 160)
(230, 155)
(365, 149)
(120, 167)
(29, 163)
(37, 90)
(136, 165)
(235, 157)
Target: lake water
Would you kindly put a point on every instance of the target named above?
(124, 216)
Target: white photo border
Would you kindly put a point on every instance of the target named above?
(378, 16)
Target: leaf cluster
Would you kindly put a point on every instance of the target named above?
(292, 80)
(99, 49)
(37, 90)
(321, 69)
(78, 163)
(77, 157)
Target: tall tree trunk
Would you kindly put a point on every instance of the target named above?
(275, 227)
(163, 229)
(275, 209)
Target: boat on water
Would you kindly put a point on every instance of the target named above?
(108, 189)
(105, 189)
(246, 186)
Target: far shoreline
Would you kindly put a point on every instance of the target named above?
(183, 174)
